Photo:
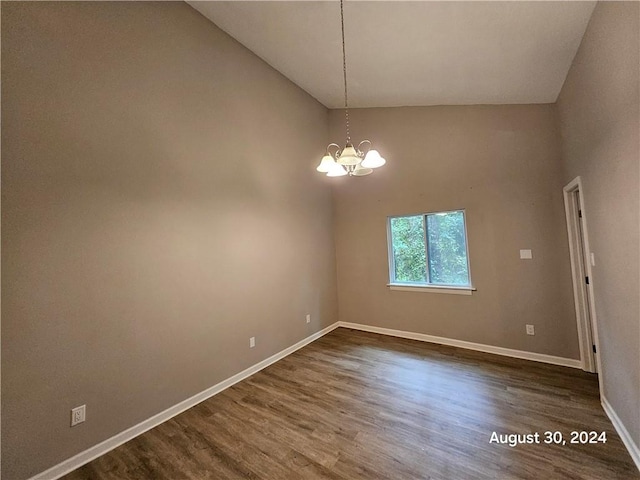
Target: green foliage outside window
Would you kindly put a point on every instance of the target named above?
(442, 261)
(408, 249)
(447, 249)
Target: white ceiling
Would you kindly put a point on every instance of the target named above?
(413, 52)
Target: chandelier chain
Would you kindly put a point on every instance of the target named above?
(344, 71)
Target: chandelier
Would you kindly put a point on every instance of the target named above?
(354, 161)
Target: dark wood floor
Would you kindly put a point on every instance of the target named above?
(359, 405)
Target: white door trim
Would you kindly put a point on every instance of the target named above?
(580, 268)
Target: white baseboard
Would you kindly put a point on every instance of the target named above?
(94, 452)
(507, 352)
(633, 449)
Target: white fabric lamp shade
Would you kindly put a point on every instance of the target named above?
(373, 160)
(326, 164)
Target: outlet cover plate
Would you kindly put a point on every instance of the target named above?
(78, 415)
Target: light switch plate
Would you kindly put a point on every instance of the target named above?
(526, 254)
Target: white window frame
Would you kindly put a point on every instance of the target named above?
(427, 287)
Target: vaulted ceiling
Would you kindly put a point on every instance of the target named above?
(413, 52)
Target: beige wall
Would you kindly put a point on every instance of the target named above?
(501, 164)
(158, 210)
(599, 113)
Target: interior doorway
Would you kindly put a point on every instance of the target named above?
(581, 262)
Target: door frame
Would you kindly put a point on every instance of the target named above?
(580, 268)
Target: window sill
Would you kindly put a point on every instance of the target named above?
(406, 287)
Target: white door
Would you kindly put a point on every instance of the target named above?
(581, 263)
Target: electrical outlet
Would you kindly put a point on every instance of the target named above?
(78, 415)
(308, 318)
(252, 342)
(531, 330)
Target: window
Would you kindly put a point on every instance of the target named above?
(429, 250)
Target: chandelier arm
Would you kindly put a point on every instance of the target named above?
(360, 150)
(335, 154)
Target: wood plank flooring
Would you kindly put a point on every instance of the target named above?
(356, 405)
